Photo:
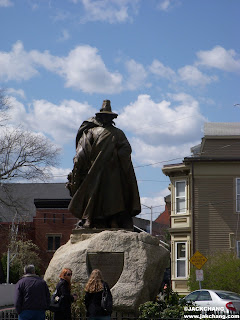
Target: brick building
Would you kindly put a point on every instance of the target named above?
(163, 220)
(37, 212)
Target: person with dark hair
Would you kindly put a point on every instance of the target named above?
(64, 290)
(93, 297)
(102, 183)
(32, 296)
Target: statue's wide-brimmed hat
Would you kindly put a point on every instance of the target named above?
(106, 109)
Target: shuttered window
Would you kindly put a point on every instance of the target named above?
(180, 198)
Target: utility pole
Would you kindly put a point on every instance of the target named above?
(13, 237)
(151, 214)
(8, 264)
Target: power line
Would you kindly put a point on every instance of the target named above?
(189, 155)
(173, 159)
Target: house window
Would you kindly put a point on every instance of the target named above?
(231, 240)
(181, 259)
(53, 242)
(238, 249)
(238, 194)
(180, 199)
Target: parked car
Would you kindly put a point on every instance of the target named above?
(215, 298)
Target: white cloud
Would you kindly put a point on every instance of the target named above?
(189, 74)
(136, 75)
(162, 123)
(18, 92)
(164, 5)
(157, 203)
(161, 154)
(6, 3)
(46, 60)
(160, 70)
(16, 65)
(162, 131)
(59, 174)
(17, 112)
(112, 11)
(219, 58)
(65, 35)
(82, 69)
(60, 122)
(194, 77)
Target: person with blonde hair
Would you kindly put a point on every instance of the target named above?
(64, 289)
(94, 290)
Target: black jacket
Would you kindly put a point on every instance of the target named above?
(93, 303)
(64, 290)
(31, 293)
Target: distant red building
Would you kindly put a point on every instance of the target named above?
(163, 220)
(53, 226)
(164, 217)
(50, 229)
(42, 217)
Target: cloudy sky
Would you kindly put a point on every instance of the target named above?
(167, 66)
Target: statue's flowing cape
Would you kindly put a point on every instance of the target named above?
(105, 182)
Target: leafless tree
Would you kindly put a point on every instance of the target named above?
(4, 106)
(24, 155)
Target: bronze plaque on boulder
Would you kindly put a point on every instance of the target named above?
(109, 263)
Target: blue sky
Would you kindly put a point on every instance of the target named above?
(167, 66)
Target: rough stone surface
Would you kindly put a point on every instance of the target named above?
(144, 263)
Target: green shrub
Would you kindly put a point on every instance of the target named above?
(149, 310)
(170, 306)
(221, 272)
(22, 253)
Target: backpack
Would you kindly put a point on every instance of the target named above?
(56, 302)
(106, 302)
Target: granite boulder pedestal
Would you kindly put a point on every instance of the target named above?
(132, 263)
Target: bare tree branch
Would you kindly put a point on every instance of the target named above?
(26, 155)
(4, 107)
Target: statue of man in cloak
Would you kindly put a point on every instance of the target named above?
(102, 183)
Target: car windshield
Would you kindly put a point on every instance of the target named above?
(228, 295)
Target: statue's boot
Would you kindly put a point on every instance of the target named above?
(87, 223)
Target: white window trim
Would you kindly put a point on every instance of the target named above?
(238, 211)
(183, 180)
(232, 240)
(238, 249)
(181, 259)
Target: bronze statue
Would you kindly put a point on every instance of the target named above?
(102, 183)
